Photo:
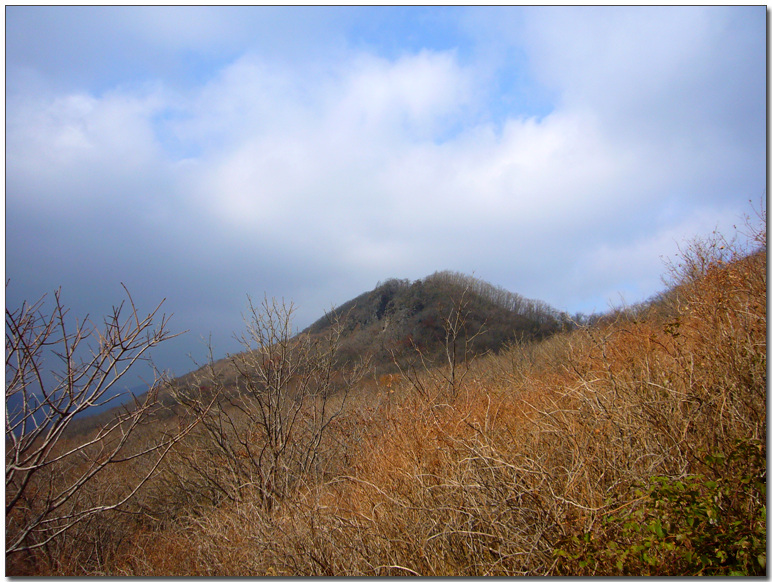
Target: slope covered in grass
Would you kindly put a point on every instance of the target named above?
(634, 446)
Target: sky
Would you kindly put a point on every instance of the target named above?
(204, 154)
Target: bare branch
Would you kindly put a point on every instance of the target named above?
(46, 471)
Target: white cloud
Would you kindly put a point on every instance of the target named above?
(654, 73)
(289, 145)
(416, 94)
(73, 148)
(623, 272)
(283, 156)
(308, 177)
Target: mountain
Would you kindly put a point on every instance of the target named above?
(398, 316)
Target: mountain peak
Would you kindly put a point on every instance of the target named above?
(399, 314)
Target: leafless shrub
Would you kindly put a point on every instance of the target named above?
(267, 434)
(49, 476)
(457, 353)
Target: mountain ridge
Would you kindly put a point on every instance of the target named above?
(400, 314)
(389, 324)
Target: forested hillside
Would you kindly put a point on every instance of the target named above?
(399, 317)
(514, 444)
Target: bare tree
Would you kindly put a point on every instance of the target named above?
(458, 342)
(457, 349)
(55, 371)
(265, 434)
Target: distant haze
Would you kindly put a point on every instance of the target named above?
(200, 154)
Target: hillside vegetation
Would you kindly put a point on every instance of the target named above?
(635, 445)
(399, 317)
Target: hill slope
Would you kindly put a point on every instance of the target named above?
(398, 316)
(634, 445)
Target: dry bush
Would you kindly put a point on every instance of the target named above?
(64, 487)
(679, 389)
(269, 432)
(494, 481)
(592, 452)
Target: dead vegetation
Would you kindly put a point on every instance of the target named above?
(636, 445)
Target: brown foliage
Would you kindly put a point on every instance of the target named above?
(537, 444)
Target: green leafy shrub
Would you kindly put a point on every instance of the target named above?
(711, 523)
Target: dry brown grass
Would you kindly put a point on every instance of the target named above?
(542, 442)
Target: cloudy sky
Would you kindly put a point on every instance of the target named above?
(200, 154)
